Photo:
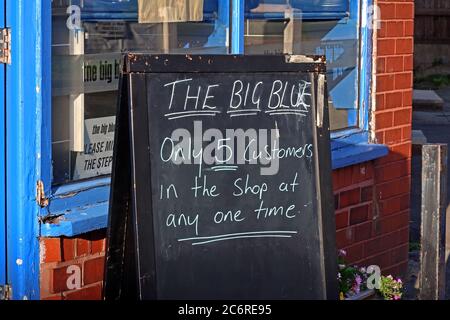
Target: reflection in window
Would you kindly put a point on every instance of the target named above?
(321, 27)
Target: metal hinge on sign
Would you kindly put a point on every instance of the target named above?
(5, 45)
(41, 200)
(5, 292)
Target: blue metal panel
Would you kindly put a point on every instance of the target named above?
(129, 6)
(365, 76)
(127, 10)
(237, 26)
(23, 143)
(111, 6)
(2, 162)
(318, 7)
(93, 10)
(307, 6)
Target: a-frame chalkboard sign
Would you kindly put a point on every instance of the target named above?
(221, 183)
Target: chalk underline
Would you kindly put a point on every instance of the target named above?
(193, 113)
(224, 168)
(233, 113)
(241, 235)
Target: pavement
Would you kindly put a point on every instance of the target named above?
(435, 126)
(433, 117)
(427, 99)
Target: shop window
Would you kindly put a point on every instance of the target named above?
(89, 36)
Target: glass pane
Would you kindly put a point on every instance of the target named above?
(88, 39)
(321, 27)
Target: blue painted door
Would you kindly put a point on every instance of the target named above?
(2, 161)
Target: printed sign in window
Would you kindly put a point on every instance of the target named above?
(98, 148)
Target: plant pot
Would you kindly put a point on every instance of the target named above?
(364, 295)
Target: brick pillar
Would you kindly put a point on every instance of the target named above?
(373, 199)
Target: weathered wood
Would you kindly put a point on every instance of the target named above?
(432, 12)
(432, 22)
(288, 39)
(447, 243)
(434, 182)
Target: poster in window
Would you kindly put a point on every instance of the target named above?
(96, 159)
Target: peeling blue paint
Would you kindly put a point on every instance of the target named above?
(77, 221)
(2, 164)
(23, 131)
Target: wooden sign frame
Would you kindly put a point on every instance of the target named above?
(127, 274)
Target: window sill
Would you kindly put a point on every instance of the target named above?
(357, 153)
(354, 148)
(77, 221)
(346, 151)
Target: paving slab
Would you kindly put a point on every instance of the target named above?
(434, 116)
(427, 99)
(418, 137)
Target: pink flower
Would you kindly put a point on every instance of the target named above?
(399, 280)
(356, 288)
(357, 285)
(342, 253)
(397, 297)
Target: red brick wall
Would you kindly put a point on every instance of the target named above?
(371, 199)
(388, 244)
(64, 259)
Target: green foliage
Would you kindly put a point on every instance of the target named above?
(352, 280)
(434, 81)
(437, 62)
(414, 246)
(391, 289)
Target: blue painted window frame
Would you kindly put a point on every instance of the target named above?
(27, 140)
(2, 164)
(82, 206)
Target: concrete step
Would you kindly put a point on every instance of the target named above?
(427, 100)
(418, 140)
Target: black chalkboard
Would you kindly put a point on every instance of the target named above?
(221, 183)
